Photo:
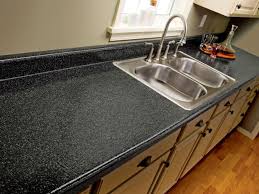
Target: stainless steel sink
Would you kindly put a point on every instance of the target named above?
(170, 82)
(183, 80)
(197, 70)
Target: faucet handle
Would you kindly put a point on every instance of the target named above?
(171, 42)
(149, 44)
(167, 49)
(182, 42)
(150, 55)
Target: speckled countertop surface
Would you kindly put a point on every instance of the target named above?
(62, 128)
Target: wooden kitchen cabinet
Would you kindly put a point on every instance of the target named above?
(246, 7)
(224, 104)
(243, 111)
(250, 124)
(177, 160)
(227, 125)
(204, 141)
(134, 166)
(247, 90)
(86, 191)
(231, 8)
(197, 123)
(142, 181)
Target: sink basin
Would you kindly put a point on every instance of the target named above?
(183, 80)
(170, 82)
(198, 71)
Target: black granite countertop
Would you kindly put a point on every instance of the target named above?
(65, 127)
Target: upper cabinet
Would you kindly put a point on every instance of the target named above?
(246, 7)
(232, 8)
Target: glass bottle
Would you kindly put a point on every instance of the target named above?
(227, 44)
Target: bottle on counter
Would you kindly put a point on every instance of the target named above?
(227, 44)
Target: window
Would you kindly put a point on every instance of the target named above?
(137, 19)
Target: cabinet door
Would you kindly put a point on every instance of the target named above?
(242, 113)
(204, 141)
(227, 124)
(246, 7)
(237, 109)
(250, 124)
(177, 161)
(141, 182)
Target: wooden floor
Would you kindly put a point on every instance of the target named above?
(232, 167)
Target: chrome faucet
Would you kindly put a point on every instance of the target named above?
(180, 43)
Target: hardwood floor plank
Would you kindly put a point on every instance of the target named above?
(232, 167)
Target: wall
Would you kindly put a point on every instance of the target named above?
(246, 36)
(37, 25)
(215, 23)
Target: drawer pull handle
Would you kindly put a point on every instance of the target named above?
(203, 134)
(145, 162)
(239, 6)
(227, 104)
(231, 112)
(248, 89)
(242, 115)
(200, 124)
(167, 164)
(209, 130)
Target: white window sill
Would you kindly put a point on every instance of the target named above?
(133, 33)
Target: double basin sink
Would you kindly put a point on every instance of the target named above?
(184, 80)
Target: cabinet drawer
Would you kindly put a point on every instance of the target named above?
(246, 89)
(197, 123)
(133, 166)
(141, 182)
(226, 103)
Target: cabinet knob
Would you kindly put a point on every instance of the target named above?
(200, 124)
(145, 162)
(239, 6)
(231, 112)
(167, 164)
(227, 104)
(248, 89)
(203, 134)
(209, 130)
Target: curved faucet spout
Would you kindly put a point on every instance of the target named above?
(181, 42)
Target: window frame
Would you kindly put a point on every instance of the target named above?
(119, 33)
